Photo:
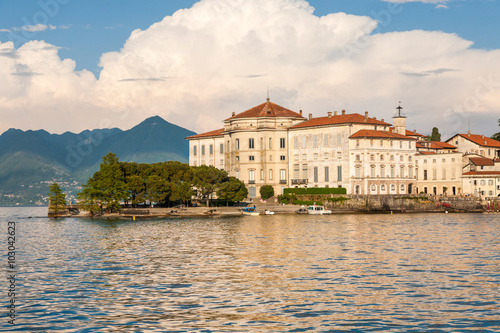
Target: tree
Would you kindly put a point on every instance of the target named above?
(57, 199)
(496, 136)
(112, 182)
(157, 189)
(91, 197)
(232, 190)
(435, 136)
(207, 180)
(136, 189)
(266, 192)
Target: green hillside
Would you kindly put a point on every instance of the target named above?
(32, 160)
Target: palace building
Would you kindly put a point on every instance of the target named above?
(271, 145)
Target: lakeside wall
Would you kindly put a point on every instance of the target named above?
(398, 203)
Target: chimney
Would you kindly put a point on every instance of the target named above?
(300, 113)
(366, 116)
(414, 131)
(233, 114)
(329, 114)
(483, 136)
(334, 113)
(310, 116)
(343, 112)
(382, 120)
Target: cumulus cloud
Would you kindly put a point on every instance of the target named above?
(197, 66)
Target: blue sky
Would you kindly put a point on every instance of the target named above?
(83, 31)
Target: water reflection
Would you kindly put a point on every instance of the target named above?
(268, 273)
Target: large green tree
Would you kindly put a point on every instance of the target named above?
(207, 179)
(435, 136)
(57, 199)
(232, 190)
(136, 188)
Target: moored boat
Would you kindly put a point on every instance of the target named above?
(249, 211)
(317, 210)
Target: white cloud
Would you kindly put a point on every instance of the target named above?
(34, 28)
(197, 66)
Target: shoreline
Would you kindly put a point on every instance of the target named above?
(142, 213)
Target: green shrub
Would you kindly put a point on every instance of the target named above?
(287, 198)
(266, 192)
(294, 191)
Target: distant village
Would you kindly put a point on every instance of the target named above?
(271, 145)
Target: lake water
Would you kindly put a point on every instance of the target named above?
(282, 273)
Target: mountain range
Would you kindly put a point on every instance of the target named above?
(31, 160)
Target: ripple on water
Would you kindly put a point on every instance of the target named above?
(267, 274)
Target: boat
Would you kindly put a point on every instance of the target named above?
(317, 210)
(249, 211)
(268, 212)
(301, 210)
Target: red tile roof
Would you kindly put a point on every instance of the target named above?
(441, 145)
(340, 119)
(482, 161)
(411, 133)
(419, 145)
(427, 153)
(267, 109)
(207, 134)
(481, 140)
(379, 134)
(482, 173)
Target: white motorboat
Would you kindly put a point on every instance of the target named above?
(317, 210)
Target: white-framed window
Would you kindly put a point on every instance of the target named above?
(203, 150)
(211, 149)
(282, 143)
(194, 150)
(315, 141)
(251, 143)
(325, 138)
(327, 174)
(295, 142)
(237, 144)
(296, 157)
(251, 158)
(221, 148)
(270, 174)
(282, 157)
(282, 175)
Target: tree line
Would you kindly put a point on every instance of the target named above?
(163, 183)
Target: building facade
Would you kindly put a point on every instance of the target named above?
(272, 145)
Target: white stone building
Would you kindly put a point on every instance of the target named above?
(271, 145)
(476, 144)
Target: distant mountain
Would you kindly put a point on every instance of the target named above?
(31, 160)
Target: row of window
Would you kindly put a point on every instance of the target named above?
(382, 169)
(251, 143)
(382, 158)
(483, 182)
(434, 160)
(443, 174)
(392, 143)
(316, 141)
(251, 175)
(210, 149)
(297, 174)
(252, 158)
